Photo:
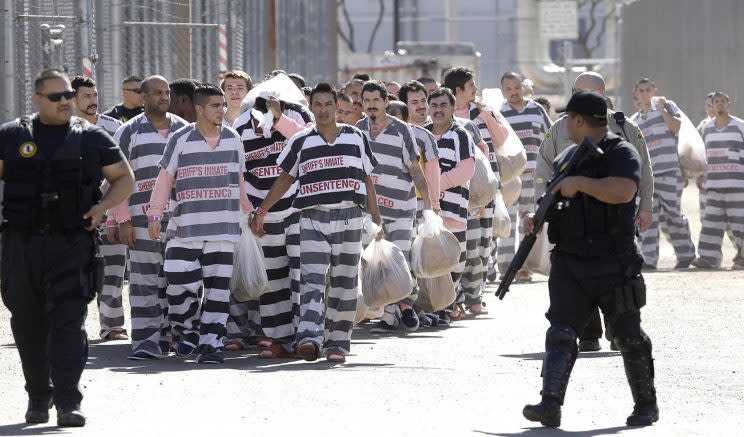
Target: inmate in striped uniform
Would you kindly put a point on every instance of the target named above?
(668, 185)
(479, 232)
(724, 185)
(110, 308)
(530, 124)
(454, 146)
(395, 148)
(330, 195)
(143, 146)
(206, 181)
(278, 304)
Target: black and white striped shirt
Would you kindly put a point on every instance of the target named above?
(261, 155)
(661, 142)
(530, 125)
(143, 146)
(725, 155)
(207, 184)
(454, 146)
(109, 124)
(330, 175)
(395, 148)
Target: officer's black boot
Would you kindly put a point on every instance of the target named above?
(38, 410)
(639, 368)
(560, 356)
(70, 416)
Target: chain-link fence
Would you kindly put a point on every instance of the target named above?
(112, 39)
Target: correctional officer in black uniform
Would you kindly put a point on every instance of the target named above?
(596, 263)
(52, 165)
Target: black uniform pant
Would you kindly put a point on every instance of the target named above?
(578, 286)
(46, 286)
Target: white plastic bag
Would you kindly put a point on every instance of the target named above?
(386, 277)
(501, 220)
(436, 294)
(249, 279)
(484, 183)
(538, 260)
(435, 250)
(511, 191)
(511, 156)
(691, 148)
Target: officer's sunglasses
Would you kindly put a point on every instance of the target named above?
(56, 97)
(134, 90)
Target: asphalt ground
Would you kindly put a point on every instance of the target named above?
(472, 378)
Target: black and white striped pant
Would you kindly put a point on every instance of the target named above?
(460, 267)
(110, 308)
(667, 210)
(506, 247)
(723, 211)
(331, 241)
(478, 250)
(147, 285)
(189, 264)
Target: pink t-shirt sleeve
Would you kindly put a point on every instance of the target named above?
(462, 173)
(433, 175)
(160, 193)
(288, 127)
(495, 128)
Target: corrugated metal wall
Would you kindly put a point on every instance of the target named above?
(688, 47)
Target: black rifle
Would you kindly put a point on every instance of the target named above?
(565, 165)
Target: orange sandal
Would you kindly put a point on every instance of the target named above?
(274, 351)
(478, 309)
(235, 345)
(335, 357)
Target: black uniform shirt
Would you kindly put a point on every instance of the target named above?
(122, 113)
(97, 147)
(621, 160)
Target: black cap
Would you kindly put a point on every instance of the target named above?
(587, 103)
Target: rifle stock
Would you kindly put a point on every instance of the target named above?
(565, 165)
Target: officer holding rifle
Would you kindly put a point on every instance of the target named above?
(596, 261)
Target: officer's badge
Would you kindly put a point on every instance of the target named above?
(27, 149)
(548, 135)
(639, 135)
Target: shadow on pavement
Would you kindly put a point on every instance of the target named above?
(540, 431)
(23, 429)
(538, 356)
(113, 357)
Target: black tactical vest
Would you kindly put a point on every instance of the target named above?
(588, 228)
(47, 192)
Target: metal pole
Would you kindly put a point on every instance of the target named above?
(83, 31)
(8, 105)
(333, 38)
(396, 24)
(271, 40)
(619, 56)
(116, 52)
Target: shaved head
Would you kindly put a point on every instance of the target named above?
(152, 79)
(590, 81)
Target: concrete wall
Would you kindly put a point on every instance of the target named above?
(688, 47)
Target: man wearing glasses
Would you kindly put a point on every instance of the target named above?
(131, 90)
(557, 140)
(52, 164)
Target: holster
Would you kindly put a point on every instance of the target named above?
(96, 267)
(631, 296)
